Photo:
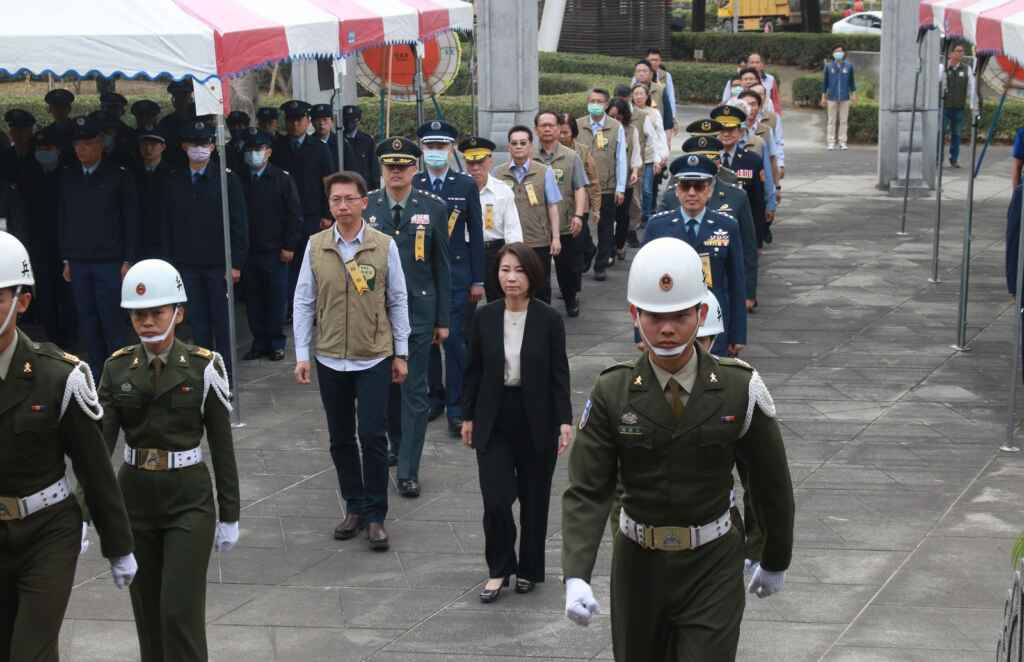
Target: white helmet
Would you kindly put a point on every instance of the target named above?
(151, 284)
(714, 323)
(666, 276)
(15, 265)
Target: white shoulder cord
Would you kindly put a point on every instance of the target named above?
(218, 380)
(757, 395)
(81, 385)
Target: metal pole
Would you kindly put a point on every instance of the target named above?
(910, 143)
(236, 401)
(965, 260)
(941, 151)
(418, 84)
(735, 16)
(1011, 423)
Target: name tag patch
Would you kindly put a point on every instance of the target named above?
(420, 219)
(719, 238)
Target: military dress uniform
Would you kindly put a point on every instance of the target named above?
(164, 412)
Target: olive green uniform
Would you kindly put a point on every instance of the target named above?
(172, 513)
(38, 553)
(676, 471)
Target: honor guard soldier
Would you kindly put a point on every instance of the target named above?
(165, 395)
(183, 116)
(466, 251)
(48, 409)
(715, 236)
(418, 222)
(153, 177)
(498, 202)
(146, 113)
(322, 116)
(275, 231)
(98, 221)
(58, 104)
(364, 158)
(237, 123)
(749, 167)
(266, 120)
(193, 228)
(308, 161)
(677, 417)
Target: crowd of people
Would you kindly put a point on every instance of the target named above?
(413, 293)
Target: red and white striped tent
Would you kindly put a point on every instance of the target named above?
(208, 40)
(995, 27)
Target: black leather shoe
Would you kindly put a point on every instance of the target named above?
(277, 355)
(455, 428)
(349, 527)
(572, 307)
(600, 275)
(378, 537)
(524, 585)
(488, 596)
(435, 412)
(410, 489)
(252, 355)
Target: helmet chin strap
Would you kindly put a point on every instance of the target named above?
(666, 352)
(10, 313)
(156, 340)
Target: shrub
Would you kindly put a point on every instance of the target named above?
(788, 48)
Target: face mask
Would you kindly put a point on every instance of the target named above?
(10, 313)
(108, 142)
(199, 153)
(838, 56)
(666, 352)
(255, 158)
(595, 109)
(350, 125)
(435, 158)
(156, 340)
(48, 158)
(736, 89)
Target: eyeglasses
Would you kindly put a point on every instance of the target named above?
(347, 200)
(693, 185)
(519, 143)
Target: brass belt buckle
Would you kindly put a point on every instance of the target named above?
(672, 538)
(10, 509)
(153, 459)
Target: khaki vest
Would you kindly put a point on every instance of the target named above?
(532, 218)
(350, 325)
(563, 162)
(657, 93)
(639, 118)
(604, 157)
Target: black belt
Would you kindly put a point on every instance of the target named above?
(496, 243)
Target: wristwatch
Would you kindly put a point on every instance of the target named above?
(404, 357)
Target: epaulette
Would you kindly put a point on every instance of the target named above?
(728, 360)
(667, 212)
(618, 366)
(202, 352)
(434, 196)
(54, 352)
(124, 351)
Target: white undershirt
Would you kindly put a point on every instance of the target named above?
(515, 323)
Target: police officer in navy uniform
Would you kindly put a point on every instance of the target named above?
(152, 174)
(238, 125)
(193, 229)
(275, 230)
(309, 161)
(98, 226)
(466, 249)
(716, 238)
(58, 104)
(364, 159)
(146, 113)
(181, 119)
(115, 148)
(747, 165)
(322, 116)
(266, 120)
(16, 159)
(114, 105)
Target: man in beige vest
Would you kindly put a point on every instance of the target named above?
(352, 285)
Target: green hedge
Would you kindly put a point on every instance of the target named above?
(807, 90)
(779, 48)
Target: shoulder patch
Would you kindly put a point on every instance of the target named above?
(726, 360)
(201, 352)
(124, 351)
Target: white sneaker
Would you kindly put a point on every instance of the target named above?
(843, 146)
(831, 147)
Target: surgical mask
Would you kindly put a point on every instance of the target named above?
(736, 90)
(435, 158)
(255, 158)
(108, 142)
(49, 159)
(595, 109)
(199, 153)
(838, 56)
(666, 352)
(156, 340)
(10, 313)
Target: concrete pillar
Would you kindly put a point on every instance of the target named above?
(895, 96)
(508, 63)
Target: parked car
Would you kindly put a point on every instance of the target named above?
(866, 22)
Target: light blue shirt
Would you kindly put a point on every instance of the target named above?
(304, 309)
(621, 165)
(91, 169)
(437, 178)
(551, 192)
(686, 217)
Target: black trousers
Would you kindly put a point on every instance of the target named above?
(544, 291)
(511, 468)
(606, 231)
(569, 267)
(491, 287)
(622, 220)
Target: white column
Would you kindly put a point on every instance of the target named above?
(508, 65)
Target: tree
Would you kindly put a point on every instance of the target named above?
(700, 15)
(810, 11)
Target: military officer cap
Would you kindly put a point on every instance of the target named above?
(151, 132)
(294, 109)
(176, 87)
(59, 98)
(398, 151)
(437, 131)
(476, 149)
(17, 118)
(320, 110)
(708, 146)
(690, 167)
(728, 116)
(145, 107)
(111, 98)
(707, 127)
(351, 112)
(254, 138)
(266, 113)
(85, 127)
(198, 131)
(237, 117)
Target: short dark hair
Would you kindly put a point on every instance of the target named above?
(749, 70)
(653, 51)
(528, 259)
(520, 128)
(838, 46)
(570, 121)
(751, 94)
(345, 177)
(622, 91)
(742, 61)
(603, 92)
(536, 118)
(625, 115)
(645, 63)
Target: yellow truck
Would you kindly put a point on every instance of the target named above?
(759, 15)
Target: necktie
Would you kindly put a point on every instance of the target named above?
(157, 366)
(396, 216)
(296, 145)
(727, 160)
(691, 231)
(675, 392)
(438, 183)
(195, 177)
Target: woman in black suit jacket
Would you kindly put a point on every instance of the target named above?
(518, 417)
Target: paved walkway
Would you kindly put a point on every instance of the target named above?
(906, 514)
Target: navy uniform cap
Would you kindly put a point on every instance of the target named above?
(475, 148)
(709, 146)
(237, 117)
(59, 97)
(437, 131)
(266, 113)
(179, 86)
(320, 110)
(706, 127)
(145, 107)
(199, 131)
(398, 151)
(255, 138)
(351, 112)
(113, 98)
(17, 118)
(151, 132)
(691, 167)
(294, 109)
(84, 127)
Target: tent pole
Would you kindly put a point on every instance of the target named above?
(1011, 422)
(338, 105)
(910, 143)
(965, 259)
(418, 82)
(941, 151)
(236, 410)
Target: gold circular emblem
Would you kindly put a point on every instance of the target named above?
(705, 125)
(397, 144)
(665, 283)
(140, 289)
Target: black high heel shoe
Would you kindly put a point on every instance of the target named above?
(488, 596)
(524, 585)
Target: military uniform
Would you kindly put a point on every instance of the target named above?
(171, 509)
(676, 594)
(48, 410)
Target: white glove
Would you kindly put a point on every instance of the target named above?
(85, 538)
(580, 604)
(226, 537)
(765, 582)
(123, 569)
